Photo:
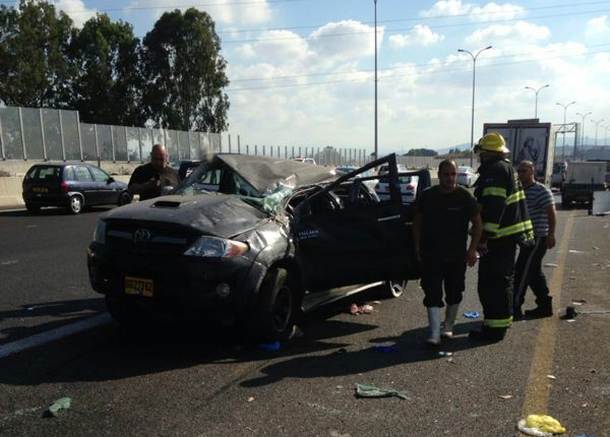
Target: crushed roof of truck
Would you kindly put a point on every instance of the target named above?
(265, 173)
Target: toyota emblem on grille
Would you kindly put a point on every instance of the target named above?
(141, 235)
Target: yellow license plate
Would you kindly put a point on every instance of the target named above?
(40, 190)
(139, 286)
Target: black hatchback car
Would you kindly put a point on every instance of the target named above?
(254, 240)
(71, 185)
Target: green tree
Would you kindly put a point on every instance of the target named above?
(421, 152)
(185, 73)
(34, 62)
(108, 86)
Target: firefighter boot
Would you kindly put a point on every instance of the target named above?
(434, 320)
(450, 315)
(544, 308)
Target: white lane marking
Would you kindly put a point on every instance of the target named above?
(10, 262)
(53, 335)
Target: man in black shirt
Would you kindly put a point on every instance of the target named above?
(149, 179)
(440, 230)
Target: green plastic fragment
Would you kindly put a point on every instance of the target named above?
(58, 405)
(370, 391)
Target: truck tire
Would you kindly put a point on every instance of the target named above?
(277, 307)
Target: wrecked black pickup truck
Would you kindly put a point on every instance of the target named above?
(254, 240)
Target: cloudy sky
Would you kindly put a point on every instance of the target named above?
(301, 71)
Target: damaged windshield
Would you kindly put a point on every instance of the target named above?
(213, 177)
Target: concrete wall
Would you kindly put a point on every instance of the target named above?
(17, 167)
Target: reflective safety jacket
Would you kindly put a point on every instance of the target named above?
(502, 201)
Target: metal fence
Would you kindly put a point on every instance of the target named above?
(58, 135)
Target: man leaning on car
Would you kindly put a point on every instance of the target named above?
(149, 179)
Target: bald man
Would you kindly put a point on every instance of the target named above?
(149, 179)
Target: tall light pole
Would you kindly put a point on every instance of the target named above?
(606, 136)
(474, 69)
(536, 91)
(563, 141)
(597, 123)
(376, 128)
(583, 116)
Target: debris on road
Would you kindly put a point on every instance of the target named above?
(57, 406)
(505, 397)
(270, 347)
(540, 425)
(251, 399)
(472, 314)
(370, 391)
(575, 251)
(551, 377)
(356, 309)
(551, 265)
(578, 301)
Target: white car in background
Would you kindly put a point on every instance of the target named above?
(408, 189)
(305, 160)
(466, 176)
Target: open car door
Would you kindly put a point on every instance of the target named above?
(355, 240)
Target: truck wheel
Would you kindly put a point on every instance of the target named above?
(395, 288)
(277, 307)
(76, 204)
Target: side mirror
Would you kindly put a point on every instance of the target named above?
(166, 190)
(110, 180)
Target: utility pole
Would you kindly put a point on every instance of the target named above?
(563, 141)
(376, 125)
(474, 69)
(536, 91)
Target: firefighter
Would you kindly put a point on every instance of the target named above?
(505, 224)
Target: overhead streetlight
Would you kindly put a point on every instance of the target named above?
(376, 126)
(474, 68)
(606, 136)
(536, 91)
(597, 123)
(582, 143)
(563, 142)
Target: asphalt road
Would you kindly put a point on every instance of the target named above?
(204, 381)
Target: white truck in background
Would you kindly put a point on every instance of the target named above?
(582, 179)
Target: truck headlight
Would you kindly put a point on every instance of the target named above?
(212, 247)
(99, 234)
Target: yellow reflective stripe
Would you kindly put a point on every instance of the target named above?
(515, 197)
(499, 323)
(494, 191)
(491, 227)
(520, 227)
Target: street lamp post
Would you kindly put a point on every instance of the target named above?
(597, 123)
(606, 136)
(474, 69)
(536, 91)
(563, 141)
(583, 116)
(376, 126)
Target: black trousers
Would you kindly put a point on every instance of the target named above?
(528, 273)
(495, 286)
(435, 273)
